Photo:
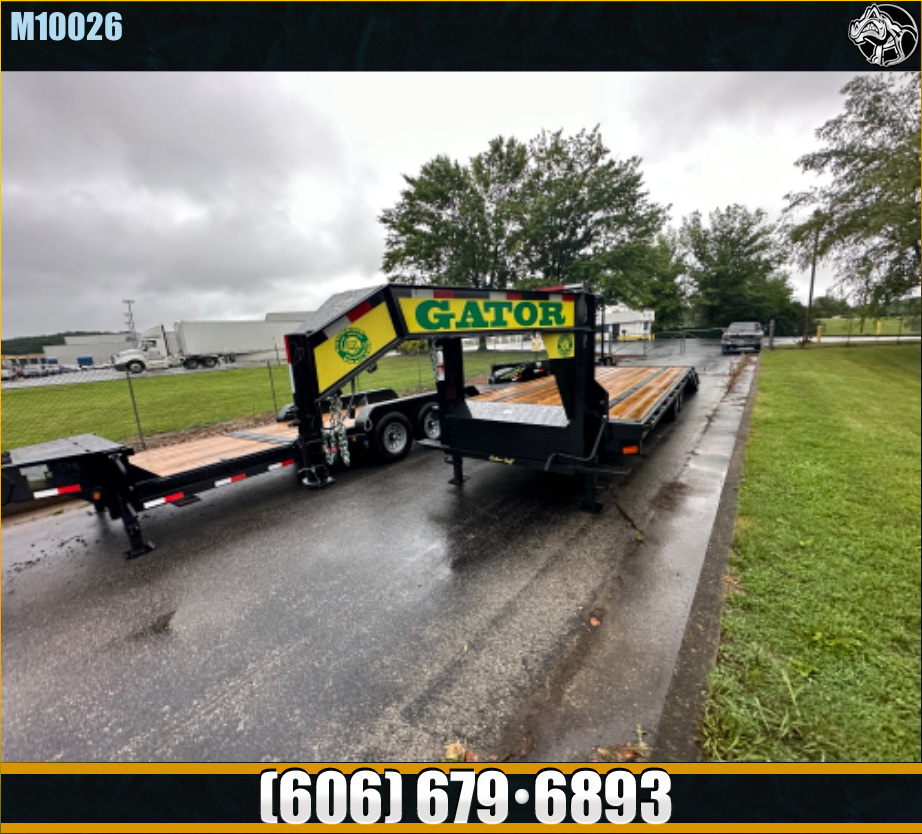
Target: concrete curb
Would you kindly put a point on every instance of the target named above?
(677, 737)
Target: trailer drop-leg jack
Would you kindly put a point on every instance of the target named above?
(457, 465)
(590, 491)
(133, 528)
(316, 476)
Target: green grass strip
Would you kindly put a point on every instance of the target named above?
(820, 652)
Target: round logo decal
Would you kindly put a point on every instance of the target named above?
(565, 345)
(885, 34)
(353, 345)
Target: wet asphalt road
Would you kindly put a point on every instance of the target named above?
(377, 620)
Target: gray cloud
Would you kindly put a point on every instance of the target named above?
(681, 109)
(165, 188)
(205, 195)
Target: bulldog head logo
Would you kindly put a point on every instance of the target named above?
(885, 34)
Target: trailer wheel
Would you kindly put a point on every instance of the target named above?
(190, 364)
(428, 425)
(135, 366)
(393, 437)
(209, 361)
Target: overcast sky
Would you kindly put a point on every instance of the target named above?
(218, 196)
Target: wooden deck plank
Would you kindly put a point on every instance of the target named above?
(170, 460)
(653, 383)
(637, 406)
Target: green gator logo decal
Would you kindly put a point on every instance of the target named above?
(565, 345)
(353, 345)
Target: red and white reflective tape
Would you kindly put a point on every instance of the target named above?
(64, 490)
(422, 293)
(350, 318)
(167, 499)
(495, 295)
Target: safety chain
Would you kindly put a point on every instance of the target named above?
(329, 446)
(339, 439)
(434, 358)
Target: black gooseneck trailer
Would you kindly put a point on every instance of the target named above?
(580, 419)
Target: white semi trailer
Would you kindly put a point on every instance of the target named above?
(195, 344)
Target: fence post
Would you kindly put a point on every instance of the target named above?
(134, 406)
(275, 405)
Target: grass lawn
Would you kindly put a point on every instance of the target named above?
(820, 652)
(168, 403)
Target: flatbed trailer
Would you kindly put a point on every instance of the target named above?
(123, 483)
(578, 418)
(578, 415)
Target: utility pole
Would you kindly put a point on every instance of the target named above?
(816, 240)
(129, 320)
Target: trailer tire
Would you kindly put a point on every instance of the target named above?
(679, 402)
(428, 426)
(135, 366)
(393, 437)
(210, 361)
(190, 364)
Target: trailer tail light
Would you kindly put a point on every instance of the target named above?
(287, 351)
(630, 450)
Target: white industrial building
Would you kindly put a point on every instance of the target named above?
(86, 351)
(624, 324)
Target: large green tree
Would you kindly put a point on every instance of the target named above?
(433, 231)
(665, 290)
(584, 215)
(733, 265)
(865, 218)
(456, 224)
(557, 211)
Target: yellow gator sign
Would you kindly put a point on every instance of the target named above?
(428, 316)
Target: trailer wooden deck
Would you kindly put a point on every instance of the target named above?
(633, 392)
(193, 454)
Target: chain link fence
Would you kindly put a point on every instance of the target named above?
(867, 328)
(140, 410)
